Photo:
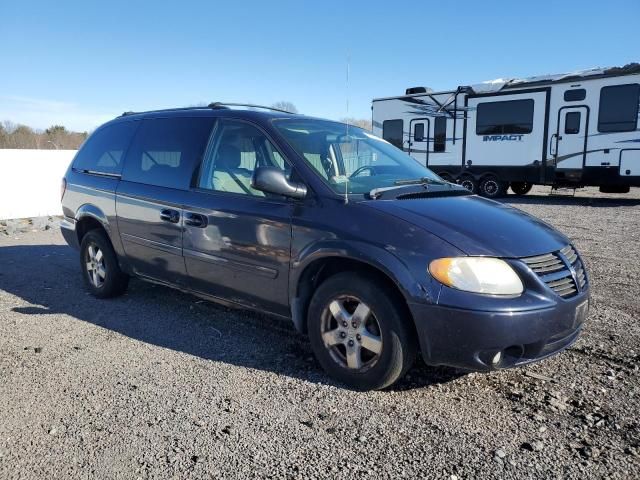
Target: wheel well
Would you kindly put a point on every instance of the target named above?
(321, 269)
(85, 225)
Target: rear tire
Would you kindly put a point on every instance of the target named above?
(99, 265)
(521, 188)
(359, 333)
(492, 187)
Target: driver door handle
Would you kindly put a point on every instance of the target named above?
(195, 220)
(169, 215)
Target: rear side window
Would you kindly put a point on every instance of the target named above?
(392, 132)
(165, 151)
(439, 134)
(575, 95)
(104, 150)
(512, 116)
(618, 108)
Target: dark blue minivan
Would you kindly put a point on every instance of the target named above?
(369, 253)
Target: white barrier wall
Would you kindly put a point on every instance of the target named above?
(30, 182)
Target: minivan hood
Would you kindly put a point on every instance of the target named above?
(477, 226)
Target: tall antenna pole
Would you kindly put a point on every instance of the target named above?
(346, 174)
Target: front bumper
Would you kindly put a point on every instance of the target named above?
(68, 230)
(470, 339)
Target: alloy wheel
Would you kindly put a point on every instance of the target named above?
(351, 333)
(96, 268)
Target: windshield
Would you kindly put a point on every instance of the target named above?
(350, 159)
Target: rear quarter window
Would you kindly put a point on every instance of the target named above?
(103, 152)
(166, 151)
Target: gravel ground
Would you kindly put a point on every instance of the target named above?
(159, 384)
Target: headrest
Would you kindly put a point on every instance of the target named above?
(228, 157)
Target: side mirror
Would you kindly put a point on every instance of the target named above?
(273, 180)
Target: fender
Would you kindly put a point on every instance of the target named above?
(366, 253)
(89, 210)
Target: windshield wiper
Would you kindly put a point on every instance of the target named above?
(418, 181)
(419, 186)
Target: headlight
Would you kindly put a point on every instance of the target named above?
(477, 274)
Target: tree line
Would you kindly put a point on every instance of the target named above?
(56, 137)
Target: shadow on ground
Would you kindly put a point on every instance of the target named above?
(48, 278)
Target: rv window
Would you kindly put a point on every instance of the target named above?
(575, 95)
(418, 132)
(392, 132)
(439, 134)
(496, 118)
(618, 108)
(572, 123)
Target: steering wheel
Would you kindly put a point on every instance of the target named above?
(363, 168)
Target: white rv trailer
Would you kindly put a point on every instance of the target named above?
(570, 130)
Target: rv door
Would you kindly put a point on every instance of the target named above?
(569, 142)
(505, 134)
(419, 139)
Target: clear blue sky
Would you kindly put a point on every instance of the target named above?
(80, 63)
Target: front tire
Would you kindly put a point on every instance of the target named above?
(99, 265)
(358, 333)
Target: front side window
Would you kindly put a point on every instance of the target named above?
(498, 118)
(618, 108)
(238, 148)
(572, 123)
(165, 151)
(349, 159)
(103, 151)
(439, 134)
(392, 132)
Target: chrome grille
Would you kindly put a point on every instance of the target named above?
(544, 263)
(553, 271)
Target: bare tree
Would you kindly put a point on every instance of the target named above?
(57, 136)
(286, 106)
(358, 122)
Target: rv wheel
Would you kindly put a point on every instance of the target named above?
(492, 187)
(521, 188)
(447, 177)
(469, 183)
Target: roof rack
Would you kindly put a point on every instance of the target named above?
(223, 105)
(213, 105)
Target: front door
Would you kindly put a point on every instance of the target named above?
(571, 138)
(237, 240)
(419, 139)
